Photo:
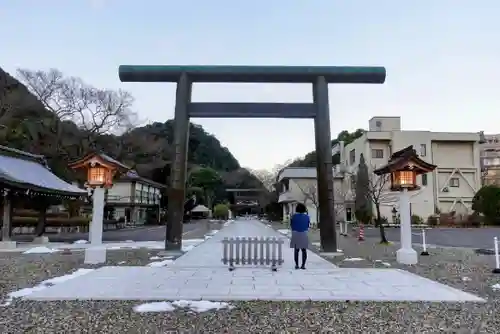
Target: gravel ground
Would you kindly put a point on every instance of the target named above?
(448, 266)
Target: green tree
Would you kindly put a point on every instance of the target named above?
(208, 180)
(487, 202)
(221, 211)
(363, 203)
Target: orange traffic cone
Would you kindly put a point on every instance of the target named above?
(361, 234)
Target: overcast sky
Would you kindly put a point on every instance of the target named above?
(442, 59)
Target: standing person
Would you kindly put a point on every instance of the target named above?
(299, 224)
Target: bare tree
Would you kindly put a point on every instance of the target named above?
(378, 193)
(268, 177)
(310, 193)
(265, 176)
(94, 111)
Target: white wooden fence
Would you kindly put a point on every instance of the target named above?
(252, 251)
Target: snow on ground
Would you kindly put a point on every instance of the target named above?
(160, 258)
(81, 242)
(496, 286)
(189, 244)
(286, 233)
(163, 263)
(197, 306)
(43, 285)
(318, 244)
(387, 264)
(40, 250)
(353, 259)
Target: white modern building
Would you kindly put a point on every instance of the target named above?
(298, 185)
(132, 196)
(450, 187)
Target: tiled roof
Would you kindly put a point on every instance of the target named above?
(29, 174)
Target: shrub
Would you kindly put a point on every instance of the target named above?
(221, 211)
(433, 220)
(487, 202)
(416, 219)
(447, 219)
(475, 220)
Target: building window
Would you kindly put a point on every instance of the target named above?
(352, 157)
(424, 179)
(423, 150)
(454, 182)
(377, 154)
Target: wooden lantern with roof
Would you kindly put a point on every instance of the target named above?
(404, 166)
(100, 169)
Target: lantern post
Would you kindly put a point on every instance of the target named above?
(404, 166)
(100, 170)
(403, 180)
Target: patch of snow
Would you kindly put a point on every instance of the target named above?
(81, 242)
(318, 244)
(353, 259)
(122, 262)
(163, 263)
(44, 284)
(466, 279)
(154, 307)
(285, 232)
(40, 250)
(195, 306)
(496, 286)
(189, 244)
(199, 306)
(387, 264)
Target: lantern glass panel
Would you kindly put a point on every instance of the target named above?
(97, 175)
(405, 178)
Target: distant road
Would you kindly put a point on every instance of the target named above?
(448, 237)
(144, 233)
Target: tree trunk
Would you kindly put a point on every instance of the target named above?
(317, 217)
(383, 239)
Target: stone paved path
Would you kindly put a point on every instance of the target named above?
(209, 254)
(200, 275)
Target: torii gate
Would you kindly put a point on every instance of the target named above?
(318, 76)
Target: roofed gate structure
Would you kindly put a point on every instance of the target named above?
(23, 175)
(318, 76)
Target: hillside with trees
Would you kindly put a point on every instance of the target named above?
(61, 117)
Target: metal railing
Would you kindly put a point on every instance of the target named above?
(252, 251)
